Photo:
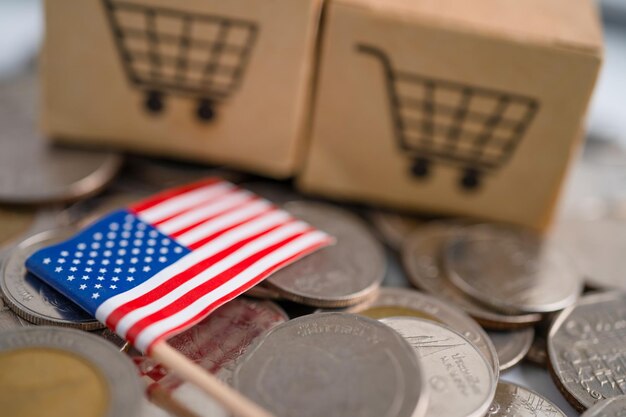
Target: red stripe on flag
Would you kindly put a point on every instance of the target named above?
(184, 276)
(212, 200)
(166, 195)
(200, 243)
(211, 307)
(186, 229)
(206, 287)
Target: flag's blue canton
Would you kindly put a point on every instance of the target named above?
(113, 255)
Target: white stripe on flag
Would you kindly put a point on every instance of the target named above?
(186, 219)
(229, 238)
(226, 263)
(208, 228)
(183, 201)
(155, 330)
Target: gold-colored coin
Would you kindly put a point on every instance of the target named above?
(60, 372)
(50, 382)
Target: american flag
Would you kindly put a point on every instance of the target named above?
(155, 269)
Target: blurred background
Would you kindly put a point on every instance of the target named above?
(21, 33)
(592, 217)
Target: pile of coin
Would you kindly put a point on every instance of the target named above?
(404, 316)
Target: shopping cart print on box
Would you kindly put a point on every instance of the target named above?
(476, 129)
(166, 51)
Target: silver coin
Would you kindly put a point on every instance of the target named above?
(34, 300)
(460, 380)
(613, 407)
(8, 319)
(33, 171)
(421, 255)
(512, 345)
(587, 349)
(515, 400)
(218, 342)
(336, 276)
(115, 385)
(393, 302)
(511, 270)
(333, 364)
(164, 173)
(393, 227)
(538, 352)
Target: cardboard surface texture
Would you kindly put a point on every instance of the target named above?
(447, 106)
(225, 82)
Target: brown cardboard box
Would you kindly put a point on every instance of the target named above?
(452, 106)
(145, 75)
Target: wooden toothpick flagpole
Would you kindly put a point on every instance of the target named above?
(197, 276)
(165, 400)
(227, 397)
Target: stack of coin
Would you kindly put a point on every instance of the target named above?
(61, 371)
(485, 297)
(505, 278)
(511, 271)
(337, 276)
(422, 257)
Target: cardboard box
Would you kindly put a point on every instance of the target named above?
(451, 106)
(225, 82)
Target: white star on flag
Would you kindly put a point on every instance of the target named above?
(209, 241)
(219, 240)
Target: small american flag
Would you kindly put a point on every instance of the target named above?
(162, 265)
